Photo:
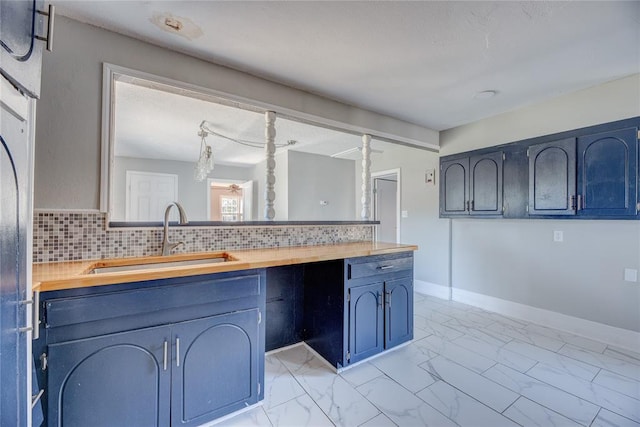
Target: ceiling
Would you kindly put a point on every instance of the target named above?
(418, 61)
(156, 121)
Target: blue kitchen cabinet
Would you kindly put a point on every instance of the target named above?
(552, 178)
(115, 380)
(180, 352)
(215, 367)
(587, 173)
(608, 173)
(472, 185)
(398, 301)
(485, 184)
(366, 320)
(358, 307)
(454, 187)
(20, 50)
(16, 145)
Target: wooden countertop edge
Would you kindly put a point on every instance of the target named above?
(246, 260)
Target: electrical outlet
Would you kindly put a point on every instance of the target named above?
(558, 236)
(405, 214)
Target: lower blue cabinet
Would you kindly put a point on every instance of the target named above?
(366, 321)
(398, 311)
(182, 374)
(215, 367)
(114, 380)
(380, 317)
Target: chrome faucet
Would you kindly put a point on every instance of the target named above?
(167, 246)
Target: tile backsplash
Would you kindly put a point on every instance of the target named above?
(69, 236)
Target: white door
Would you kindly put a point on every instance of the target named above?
(148, 195)
(385, 190)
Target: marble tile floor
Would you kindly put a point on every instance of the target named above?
(465, 367)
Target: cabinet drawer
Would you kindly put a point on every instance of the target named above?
(372, 266)
(69, 311)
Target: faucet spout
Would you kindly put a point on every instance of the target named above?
(168, 246)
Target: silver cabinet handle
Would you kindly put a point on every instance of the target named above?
(36, 315)
(385, 267)
(388, 293)
(379, 295)
(164, 360)
(580, 205)
(178, 352)
(50, 14)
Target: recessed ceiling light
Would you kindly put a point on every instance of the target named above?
(485, 94)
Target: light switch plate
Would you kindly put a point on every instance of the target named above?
(405, 214)
(558, 236)
(430, 177)
(630, 275)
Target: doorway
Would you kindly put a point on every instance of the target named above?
(386, 205)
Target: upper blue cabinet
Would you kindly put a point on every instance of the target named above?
(552, 178)
(608, 171)
(472, 185)
(588, 173)
(22, 24)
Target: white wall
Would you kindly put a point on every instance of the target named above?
(67, 158)
(517, 260)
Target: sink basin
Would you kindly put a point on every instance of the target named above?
(158, 263)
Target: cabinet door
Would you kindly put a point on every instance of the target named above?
(113, 380)
(485, 184)
(366, 321)
(398, 311)
(552, 178)
(20, 54)
(14, 220)
(215, 367)
(454, 187)
(607, 173)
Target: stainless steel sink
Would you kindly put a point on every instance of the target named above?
(157, 264)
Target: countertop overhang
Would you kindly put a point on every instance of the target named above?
(77, 274)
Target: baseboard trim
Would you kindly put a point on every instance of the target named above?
(432, 289)
(618, 337)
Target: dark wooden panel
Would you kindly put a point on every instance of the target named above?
(516, 183)
(608, 168)
(285, 306)
(324, 310)
(552, 178)
(114, 380)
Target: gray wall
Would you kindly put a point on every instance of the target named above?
(67, 158)
(422, 226)
(191, 194)
(313, 178)
(517, 260)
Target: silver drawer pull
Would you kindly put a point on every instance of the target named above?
(164, 361)
(178, 352)
(25, 329)
(385, 267)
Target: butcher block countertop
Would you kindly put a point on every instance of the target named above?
(78, 274)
